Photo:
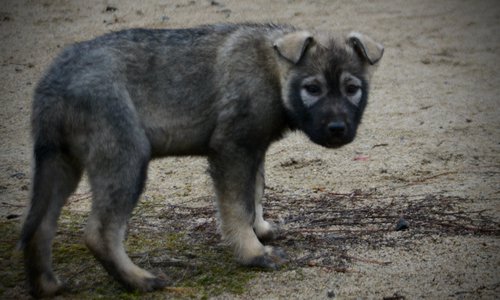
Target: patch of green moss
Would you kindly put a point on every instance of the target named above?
(197, 268)
(220, 272)
(209, 269)
(11, 267)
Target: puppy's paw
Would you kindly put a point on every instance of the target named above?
(266, 231)
(47, 286)
(147, 283)
(158, 282)
(272, 259)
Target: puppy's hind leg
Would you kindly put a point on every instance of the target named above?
(56, 176)
(117, 173)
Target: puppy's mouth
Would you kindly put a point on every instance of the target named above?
(336, 143)
(331, 142)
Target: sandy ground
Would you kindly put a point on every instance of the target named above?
(431, 132)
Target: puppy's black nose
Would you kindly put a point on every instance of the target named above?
(337, 128)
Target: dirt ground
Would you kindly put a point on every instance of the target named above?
(428, 151)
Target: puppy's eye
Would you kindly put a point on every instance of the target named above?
(313, 89)
(352, 89)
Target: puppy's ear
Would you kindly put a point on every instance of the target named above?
(293, 46)
(367, 48)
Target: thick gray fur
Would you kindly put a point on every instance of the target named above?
(110, 105)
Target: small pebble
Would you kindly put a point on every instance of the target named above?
(18, 175)
(110, 9)
(225, 11)
(425, 61)
(12, 216)
(402, 224)
(330, 294)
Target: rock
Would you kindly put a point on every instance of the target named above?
(402, 224)
(18, 175)
(110, 9)
(12, 216)
(330, 294)
(225, 11)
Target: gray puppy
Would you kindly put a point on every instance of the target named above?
(110, 105)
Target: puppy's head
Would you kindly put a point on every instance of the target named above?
(325, 83)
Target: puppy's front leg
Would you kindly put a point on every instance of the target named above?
(265, 231)
(234, 177)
